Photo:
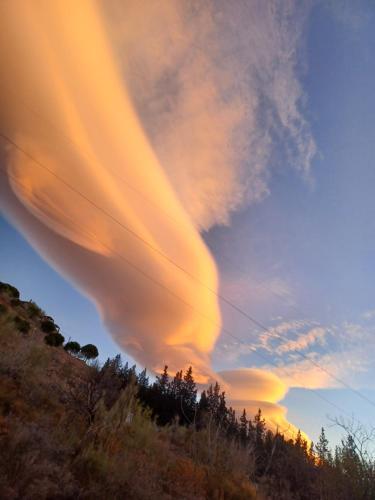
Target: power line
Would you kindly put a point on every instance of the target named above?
(179, 267)
(90, 157)
(165, 288)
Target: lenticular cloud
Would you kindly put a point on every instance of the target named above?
(88, 191)
(126, 129)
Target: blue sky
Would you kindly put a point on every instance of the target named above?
(301, 260)
(313, 246)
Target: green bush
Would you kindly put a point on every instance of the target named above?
(48, 326)
(89, 351)
(73, 347)
(22, 325)
(9, 290)
(54, 339)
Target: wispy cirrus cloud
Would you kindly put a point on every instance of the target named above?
(304, 353)
(218, 91)
(304, 341)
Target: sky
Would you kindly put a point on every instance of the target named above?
(265, 137)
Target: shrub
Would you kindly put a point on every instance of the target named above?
(10, 290)
(3, 309)
(72, 347)
(33, 310)
(54, 339)
(89, 351)
(22, 325)
(48, 326)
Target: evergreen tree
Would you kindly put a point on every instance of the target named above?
(187, 396)
(189, 389)
(259, 426)
(213, 399)
(350, 460)
(322, 448)
(298, 440)
(202, 411)
(311, 453)
(176, 385)
(142, 378)
(162, 381)
(222, 411)
(243, 427)
(203, 402)
(232, 425)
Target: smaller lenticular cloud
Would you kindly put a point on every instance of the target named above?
(252, 389)
(260, 384)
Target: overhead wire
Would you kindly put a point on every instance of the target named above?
(179, 267)
(164, 287)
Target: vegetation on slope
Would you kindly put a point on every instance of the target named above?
(70, 429)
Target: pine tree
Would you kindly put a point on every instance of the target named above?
(189, 389)
(213, 399)
(222, 411)
(162, 381)
(186, 394)
(232, 424)
(258, 435)
(176, 385)
(202, 410)
(298, 441)
(349, 457)
(142, 378)
(203, 402)
(260, 426)
(311, 453)
(243, 427)
(322, 448)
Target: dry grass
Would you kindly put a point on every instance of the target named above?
(49, 448)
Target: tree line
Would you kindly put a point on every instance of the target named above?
(283, 465)
(107, 421)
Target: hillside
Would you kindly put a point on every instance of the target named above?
(70, 429)
(51, 446)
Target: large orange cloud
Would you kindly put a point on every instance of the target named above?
(128, 152)
(61, 85)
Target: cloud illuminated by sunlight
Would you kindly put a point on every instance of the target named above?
(218, 90)
(63, 70)
(141, 125)
(251, 389)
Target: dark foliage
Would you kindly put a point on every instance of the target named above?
(54, 339)
(73, 347)
(9, 290)
(89, 351)
(48, 326)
